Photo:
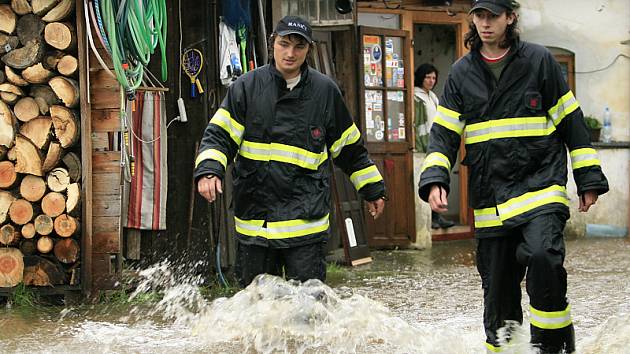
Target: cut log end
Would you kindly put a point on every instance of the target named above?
(67, 250)
(43, 224)
(66, 225)
(39, 271)
(53, 204)
(21, 211)
(32, 188)
(45, 244)
(11, 267)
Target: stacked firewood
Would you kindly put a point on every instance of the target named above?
(40, 165)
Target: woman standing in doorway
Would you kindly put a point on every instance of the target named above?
(425, 103)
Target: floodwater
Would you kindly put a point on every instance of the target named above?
(404, 302)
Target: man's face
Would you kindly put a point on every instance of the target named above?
(289, 53)
(491, 27)
(429, 81)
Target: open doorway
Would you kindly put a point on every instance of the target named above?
(436, 44)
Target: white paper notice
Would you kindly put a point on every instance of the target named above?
(352, 239)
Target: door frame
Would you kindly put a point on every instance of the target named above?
(428, 16)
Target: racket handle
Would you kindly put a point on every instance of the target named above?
(193, 90)
(199, 87)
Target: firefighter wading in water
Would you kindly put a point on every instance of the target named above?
(279, 124)
(510, 103)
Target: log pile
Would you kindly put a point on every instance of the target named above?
(40, 165)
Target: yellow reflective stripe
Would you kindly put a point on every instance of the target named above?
(508, 128)
(532, 200)
(565, 106)
(223, 119)
(584, 157)
(491, 348)
(550, 320)
(436, 159)
(487, 218)
(348, 137)
(211, 154)
(364, 176)
(449, 119)
(281, 229)
(282, 153)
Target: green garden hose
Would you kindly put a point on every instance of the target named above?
(134, 29)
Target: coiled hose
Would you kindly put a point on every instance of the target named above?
(133, 28)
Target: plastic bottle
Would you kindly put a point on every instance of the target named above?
(607, 128)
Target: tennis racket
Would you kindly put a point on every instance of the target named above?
(192, 62)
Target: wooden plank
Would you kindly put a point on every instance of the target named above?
(106, 161)
(106, 120)
(102, 272)
(101, 79)
(105, 98)
(107, 205)
(86, 149)
(95, 65)
(106, 242)
(106, 184)
(133, 242)
(100, 142)
(106, 224)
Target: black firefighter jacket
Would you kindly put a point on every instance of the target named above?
(515, 131)
(280, 142)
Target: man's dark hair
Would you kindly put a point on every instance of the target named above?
(472, 40)
(422, 71)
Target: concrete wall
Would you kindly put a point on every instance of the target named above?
(593, 31)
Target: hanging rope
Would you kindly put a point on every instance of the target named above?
(133, 28)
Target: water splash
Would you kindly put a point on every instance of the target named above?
(273, 315)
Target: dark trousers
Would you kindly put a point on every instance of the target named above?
(300, 263)
(535, 250)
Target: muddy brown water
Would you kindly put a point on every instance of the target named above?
(404, 302)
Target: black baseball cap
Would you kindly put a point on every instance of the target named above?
(295, 25)
(497, 7)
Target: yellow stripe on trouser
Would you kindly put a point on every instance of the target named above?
(508, 128)
(565, 106)
(550, 320)
(282, 153)
(211, 154)
(364, 176)
(584, 157)
(519, 205)
(492, 349)
(223, 119)
(281, 229)
(449, 119)
(348, 137)
(436, 159)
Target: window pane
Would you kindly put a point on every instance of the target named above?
(394, 68)
(395, 116)
(372, 56)
(374, 122)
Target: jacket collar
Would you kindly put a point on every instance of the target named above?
(280, 79)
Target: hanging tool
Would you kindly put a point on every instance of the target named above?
(263, 31)
(192, 62)
(242, 36)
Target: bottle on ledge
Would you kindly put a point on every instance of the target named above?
(607, 128)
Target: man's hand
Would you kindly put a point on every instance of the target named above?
(376, 207)
(209, 187)
(587, 199)
(437, 199)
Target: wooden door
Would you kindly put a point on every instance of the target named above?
(385, 91)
